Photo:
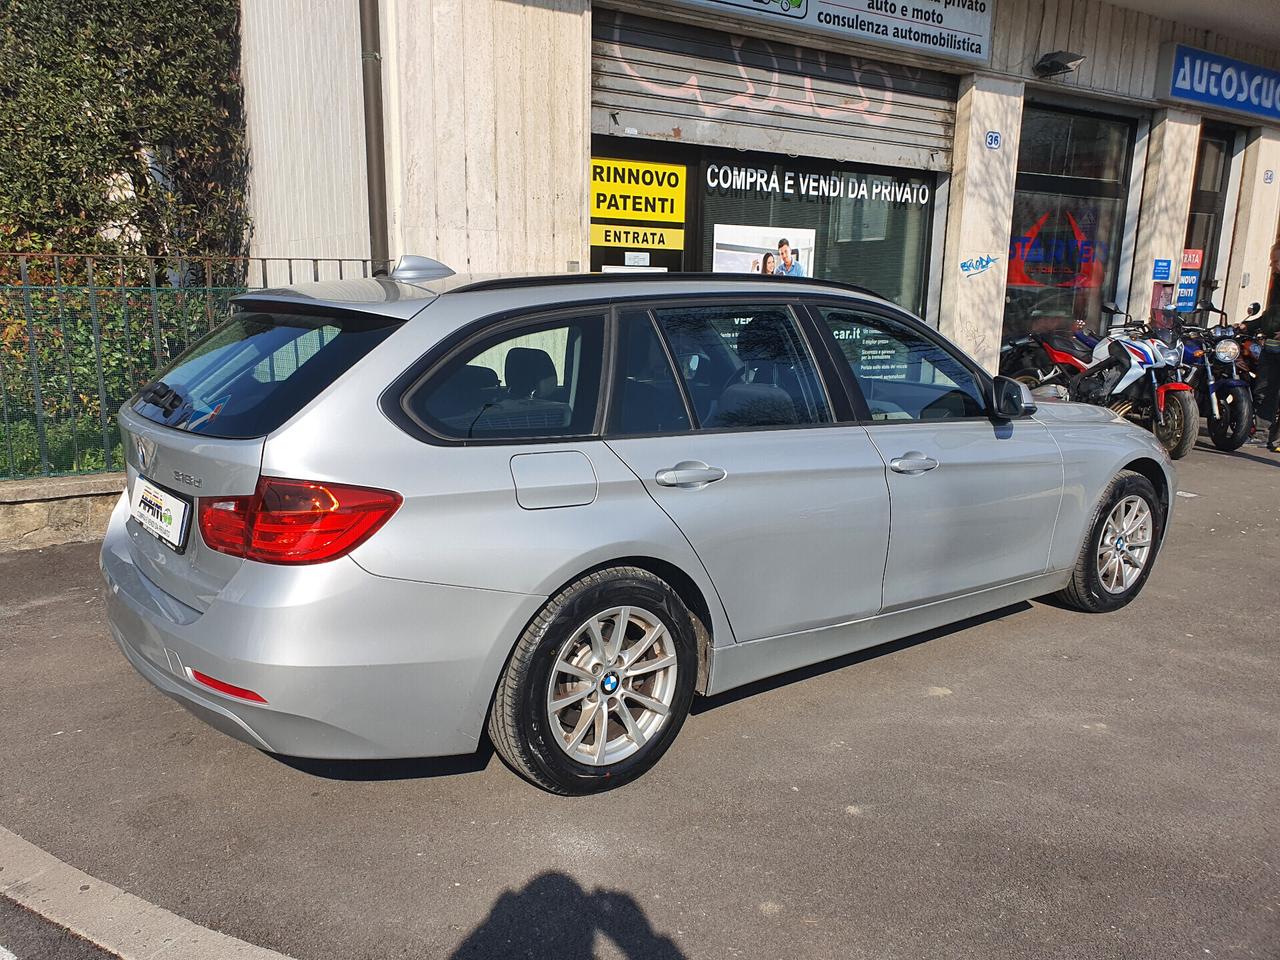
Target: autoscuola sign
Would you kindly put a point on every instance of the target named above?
(1209, 79)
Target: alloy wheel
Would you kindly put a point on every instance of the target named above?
(1124, 546)
(612, 686)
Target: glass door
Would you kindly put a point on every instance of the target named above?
(1209, 189)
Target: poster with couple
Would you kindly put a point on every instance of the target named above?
(739, 248)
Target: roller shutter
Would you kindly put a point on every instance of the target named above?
(674, 81)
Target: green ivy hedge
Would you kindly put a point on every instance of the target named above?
(85, 369)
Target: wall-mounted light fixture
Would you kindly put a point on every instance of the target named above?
(1057, 63)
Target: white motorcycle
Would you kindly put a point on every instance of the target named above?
(1136, 374)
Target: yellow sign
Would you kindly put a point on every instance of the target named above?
(652, 238)
(632, 190)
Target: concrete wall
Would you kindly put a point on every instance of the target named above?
(1166, 199)
(303, 105)
(979, 211)
(42, 512)
(1257, 218)
(1121, 46)
(488, 132)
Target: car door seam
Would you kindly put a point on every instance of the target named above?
(1062, 493)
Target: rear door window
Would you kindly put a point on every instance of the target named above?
(646, 396)
(257, 370)
(745, 365)
(532, 380)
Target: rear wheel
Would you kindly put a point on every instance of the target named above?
(1231, 428)
(1029, 376)
(1121, 546)
(1177, 434)
(598, 685)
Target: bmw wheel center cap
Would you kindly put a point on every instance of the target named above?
(609, 682)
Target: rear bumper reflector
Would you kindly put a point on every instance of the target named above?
(229, 689)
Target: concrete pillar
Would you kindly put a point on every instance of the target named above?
(1166, 200)
(489, 134)
(979, 215)
(1257, 217)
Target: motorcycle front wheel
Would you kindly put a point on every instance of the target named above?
(1177, 434)
(1230, 429)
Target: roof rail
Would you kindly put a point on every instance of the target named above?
(507, 283)
(411, 267)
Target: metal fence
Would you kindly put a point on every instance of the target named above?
(79, 334)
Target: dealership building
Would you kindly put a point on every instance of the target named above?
(994, 166)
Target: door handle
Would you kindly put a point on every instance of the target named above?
(912, 462)
(689, 474)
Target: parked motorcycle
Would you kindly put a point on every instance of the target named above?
(1136, 374)
(1045, 358)
(1209, 357)
(1249, 365)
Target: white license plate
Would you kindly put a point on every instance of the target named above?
(159, 512)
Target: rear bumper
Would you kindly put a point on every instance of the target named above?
(352, 666)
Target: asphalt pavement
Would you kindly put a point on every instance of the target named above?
(1036, 784)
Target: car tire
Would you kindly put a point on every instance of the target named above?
(1095, 586)
(557, 659)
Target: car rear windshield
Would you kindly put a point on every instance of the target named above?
(257, 370)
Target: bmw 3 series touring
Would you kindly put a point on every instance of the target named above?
(387, 517)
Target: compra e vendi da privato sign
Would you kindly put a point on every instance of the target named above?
(1191, 75)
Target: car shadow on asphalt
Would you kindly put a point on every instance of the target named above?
(1271, 459)
(554, 918)
(412, 768)
(704, 704)
(429, 767)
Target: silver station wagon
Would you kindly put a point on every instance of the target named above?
(377, 518)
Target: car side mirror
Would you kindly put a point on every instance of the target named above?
(1254, 308)
(1010, 399)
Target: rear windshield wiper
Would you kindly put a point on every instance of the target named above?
(162, 395)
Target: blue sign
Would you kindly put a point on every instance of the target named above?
(1188, 288)
(1210, 79)
(1163, 270)
(993, 139)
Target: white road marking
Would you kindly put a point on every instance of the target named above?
(105, 915)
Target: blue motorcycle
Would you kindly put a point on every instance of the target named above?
(1209, 356)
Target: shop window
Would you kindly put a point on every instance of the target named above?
(847, 222)
(1068, 220)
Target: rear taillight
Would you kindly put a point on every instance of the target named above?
(295, 521)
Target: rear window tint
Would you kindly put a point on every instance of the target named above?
(257, 370)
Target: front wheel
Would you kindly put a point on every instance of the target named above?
(1177, 434)
(598, 685)
(1120, 547)
(1230, 429)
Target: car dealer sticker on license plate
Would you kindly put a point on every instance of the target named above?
(160, 513)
